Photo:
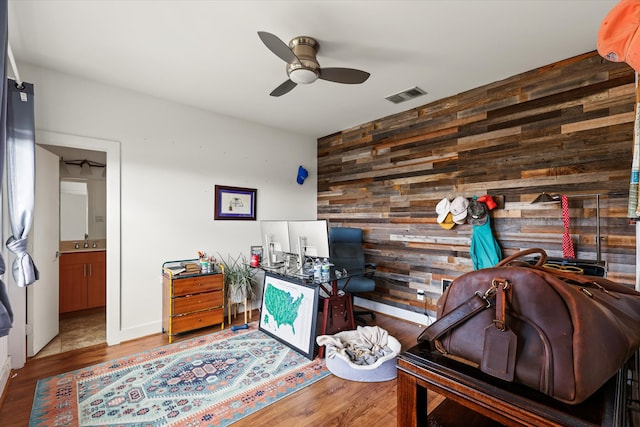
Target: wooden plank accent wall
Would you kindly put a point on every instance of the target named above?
(564, 128)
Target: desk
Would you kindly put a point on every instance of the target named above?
(479, 399)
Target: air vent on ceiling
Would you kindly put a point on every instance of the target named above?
(405, 95)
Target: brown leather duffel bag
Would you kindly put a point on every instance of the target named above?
(560, 333)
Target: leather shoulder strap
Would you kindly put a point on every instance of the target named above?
(455, 317)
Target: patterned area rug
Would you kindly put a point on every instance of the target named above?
(212, 380)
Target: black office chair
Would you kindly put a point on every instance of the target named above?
(345, 252)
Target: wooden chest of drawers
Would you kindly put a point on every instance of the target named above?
(191, 302)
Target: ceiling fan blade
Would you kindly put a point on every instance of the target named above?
(344, 75)
(285, 87)
(277, 46)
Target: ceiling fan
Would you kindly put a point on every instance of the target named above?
(302, 65)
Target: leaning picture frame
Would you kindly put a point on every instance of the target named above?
(289, 312)
(235, 203)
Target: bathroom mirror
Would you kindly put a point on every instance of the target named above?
(74, 209)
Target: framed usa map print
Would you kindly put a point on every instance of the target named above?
(289, 312)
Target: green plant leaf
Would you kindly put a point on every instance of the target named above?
(238, 274)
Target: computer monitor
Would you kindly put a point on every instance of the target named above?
(309, 239)
(275, 240)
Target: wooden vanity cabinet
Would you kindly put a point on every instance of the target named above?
(191, 302)
(83, 280)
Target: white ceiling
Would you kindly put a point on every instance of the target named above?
(207, 54)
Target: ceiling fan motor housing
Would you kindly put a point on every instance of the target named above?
(307, 70)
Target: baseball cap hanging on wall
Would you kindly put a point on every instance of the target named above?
(443, 209)
(477, 213)
(459, 208)
(488, 200)
(619, 34)
(448, 223)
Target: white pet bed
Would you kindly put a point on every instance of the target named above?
(340, 365)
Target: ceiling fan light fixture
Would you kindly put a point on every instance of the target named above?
(303, 76)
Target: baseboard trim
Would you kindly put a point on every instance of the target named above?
(411, 316)
(137, 332)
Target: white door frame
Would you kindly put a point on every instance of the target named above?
(112, 148)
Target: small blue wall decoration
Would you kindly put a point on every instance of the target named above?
(302, 175)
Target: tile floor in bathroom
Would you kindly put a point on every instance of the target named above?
(78, 329)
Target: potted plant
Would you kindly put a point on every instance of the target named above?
(238, 278)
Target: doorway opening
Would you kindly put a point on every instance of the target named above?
(106, 318)
(80, 246)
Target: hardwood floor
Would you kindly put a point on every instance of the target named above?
(331, 401)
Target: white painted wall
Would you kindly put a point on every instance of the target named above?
(171, 156)
(5, 363)
(6, 358)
